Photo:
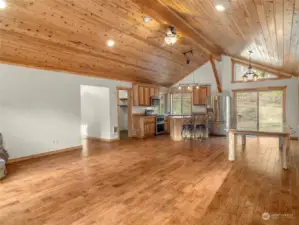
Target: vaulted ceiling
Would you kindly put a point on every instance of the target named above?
(270, 28)
(71, 36)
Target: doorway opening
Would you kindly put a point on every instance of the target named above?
(124, 105)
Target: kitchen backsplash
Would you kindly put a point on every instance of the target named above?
(140, 109)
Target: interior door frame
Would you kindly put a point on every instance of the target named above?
(274, 88)
(130, 114)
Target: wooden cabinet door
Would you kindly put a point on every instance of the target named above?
(152, 91)
(146, 129)
(166, 128)
(153, 128)
(135, 95)
(205, 91)
(147, 97)
(200, 95)
(141, 95)
(196, 96)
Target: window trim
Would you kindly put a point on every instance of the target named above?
(274, 88)
(182, 92)
(233, 81)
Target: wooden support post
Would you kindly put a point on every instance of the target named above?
(216, 75)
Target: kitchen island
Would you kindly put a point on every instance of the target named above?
(176, 123)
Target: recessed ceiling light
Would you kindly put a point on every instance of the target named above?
(2, 4)
(147, 19)
(110, 43)
(219, 7)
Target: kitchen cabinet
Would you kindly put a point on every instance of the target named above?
(144, 126)
(200, 94)
(142, 94)
(166, 125)
(147, 96)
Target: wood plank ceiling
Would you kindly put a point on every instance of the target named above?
(270, 28)
(71, 36)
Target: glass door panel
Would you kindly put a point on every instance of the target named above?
(247, 109)
(270, 107)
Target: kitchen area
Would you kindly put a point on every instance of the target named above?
(185, 112)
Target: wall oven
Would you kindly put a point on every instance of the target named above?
(160, 127)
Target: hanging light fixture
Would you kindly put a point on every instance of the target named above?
(171, 36)
(249, 72)
(189, 86)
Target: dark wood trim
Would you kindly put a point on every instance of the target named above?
(275, 71)
(216, 75)
(130, 115)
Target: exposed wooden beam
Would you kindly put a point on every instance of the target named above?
(275, 71)
(216, 75)
(162, 13)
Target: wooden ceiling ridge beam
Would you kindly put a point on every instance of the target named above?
(266, 68)
(161, 12)
(216, 75)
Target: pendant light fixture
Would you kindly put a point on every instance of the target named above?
(249, 72)
(189, 86)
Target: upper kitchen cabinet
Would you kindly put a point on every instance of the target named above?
(142, 94)
(200, 95)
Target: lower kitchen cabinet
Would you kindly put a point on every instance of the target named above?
(144, 126)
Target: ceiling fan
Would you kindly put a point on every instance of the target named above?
(171, 37)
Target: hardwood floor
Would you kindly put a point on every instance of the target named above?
(154, 181)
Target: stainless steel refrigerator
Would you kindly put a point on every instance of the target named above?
(219, 110)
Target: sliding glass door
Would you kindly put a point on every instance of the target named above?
(259, 108)
(247, 109)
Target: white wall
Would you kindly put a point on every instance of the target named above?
(95, 112)
(40, 110)
(205, 75)
(225, 69)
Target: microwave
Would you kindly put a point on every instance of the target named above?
(155, 101)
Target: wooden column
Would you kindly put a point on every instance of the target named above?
(216, 75)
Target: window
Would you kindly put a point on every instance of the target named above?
(181, 103)
(239, 70)
(163, 100)
(258, 108)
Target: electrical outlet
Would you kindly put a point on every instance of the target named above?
(115, 129)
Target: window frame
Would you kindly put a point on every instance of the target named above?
(280, 88)
(181, 92)
(233, 80)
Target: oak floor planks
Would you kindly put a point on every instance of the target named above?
(156, 182)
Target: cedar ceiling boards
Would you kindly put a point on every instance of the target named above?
(71, 36)
(269, 28)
